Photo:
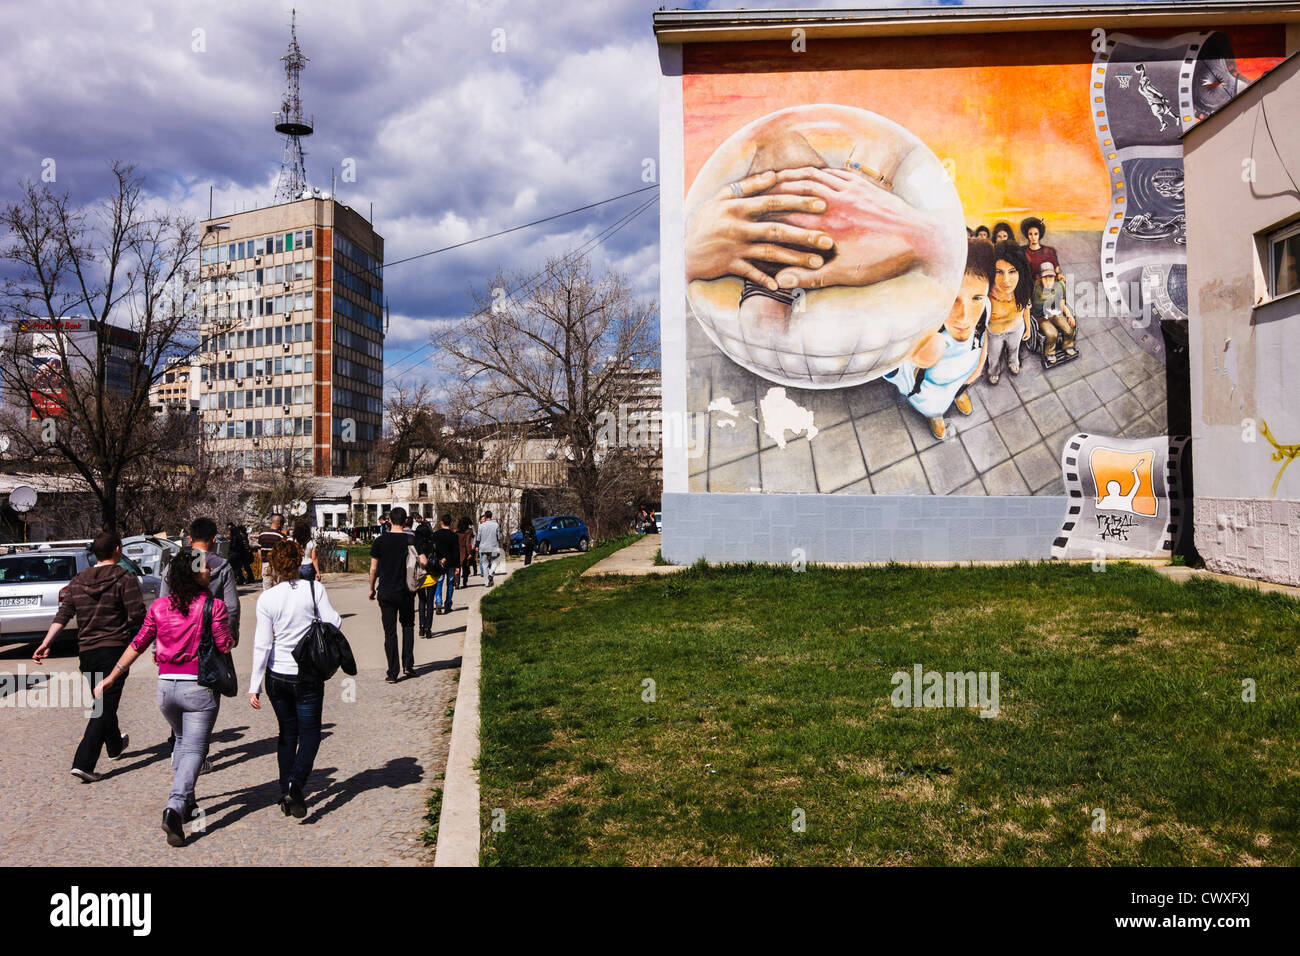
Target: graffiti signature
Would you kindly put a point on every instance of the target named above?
(1288, 452)
(1115, 526)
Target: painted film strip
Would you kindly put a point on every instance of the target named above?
(1125, 497)
(1144, 94)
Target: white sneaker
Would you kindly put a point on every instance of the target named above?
(126, 741)
(86, 776)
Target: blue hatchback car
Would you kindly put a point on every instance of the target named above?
(554, 533)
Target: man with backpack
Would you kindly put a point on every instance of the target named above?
(394, 577)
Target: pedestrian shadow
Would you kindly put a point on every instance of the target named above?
(260, 747)
(397, 773)
(451, 630)
(429, 668)
(242, 802)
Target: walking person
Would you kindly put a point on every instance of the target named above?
(446, 555)
(241, 553)
(530, 542)
(220, 580)
(176, 622)
(267, 540)
(427, 594)
(388, 586)
(489, 546)
(309, 568)
(109, 608)
(284, 614)
(465, 533)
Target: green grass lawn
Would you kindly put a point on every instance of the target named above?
(1120, 694)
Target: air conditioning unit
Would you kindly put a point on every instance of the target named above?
(227, 353)
(286, 409)
(207, 384)
(257, 260)
(256, 442)
(230, 413)
(239, 381)
(286, 346)
(288, 317)
(287, 284)
(257, 380)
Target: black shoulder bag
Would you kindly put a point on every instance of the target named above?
(216, 668)
(323, 649)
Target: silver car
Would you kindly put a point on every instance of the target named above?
(32, 584)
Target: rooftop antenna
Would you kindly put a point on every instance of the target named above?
(292, 181)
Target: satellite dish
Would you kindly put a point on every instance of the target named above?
(22, 498)
(298, 507)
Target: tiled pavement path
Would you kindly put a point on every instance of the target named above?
(871, 441)
(380, 757)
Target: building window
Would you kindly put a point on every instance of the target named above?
(1284, 260)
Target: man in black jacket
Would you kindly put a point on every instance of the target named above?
(109, 608)
(447, 548)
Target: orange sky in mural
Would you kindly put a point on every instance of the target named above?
(1013, 115)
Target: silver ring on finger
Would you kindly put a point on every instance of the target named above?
(737, 191)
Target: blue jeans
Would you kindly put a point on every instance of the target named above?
(192, 711)
(297, 704)
(448, 579)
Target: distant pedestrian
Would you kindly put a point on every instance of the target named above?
(465, 533)
(284, 613)
(267, 540)
(109, 608)
(389, 586)
(489, 546)
(241, 553)
(530, 541)
(310, 567)
(447, 554)
(176, 622)
(426, 594)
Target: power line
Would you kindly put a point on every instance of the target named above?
(600, 237)
(535, 222)
(411, 358)
(596, 240)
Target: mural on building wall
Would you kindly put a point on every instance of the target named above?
(928, 266)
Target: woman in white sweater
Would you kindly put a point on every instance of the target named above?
(284, 613)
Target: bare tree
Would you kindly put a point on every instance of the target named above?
(96, 303)
(419, 436)
(557, 354)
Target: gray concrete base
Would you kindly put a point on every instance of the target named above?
(1250, 537)
(772, 529)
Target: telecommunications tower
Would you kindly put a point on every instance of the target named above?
(289, 121)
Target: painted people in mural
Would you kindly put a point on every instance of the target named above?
(837, 224)
(938, 379)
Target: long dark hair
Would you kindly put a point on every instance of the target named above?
(1010, 251)
(184, 584)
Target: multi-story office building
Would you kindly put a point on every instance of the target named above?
(65, 353)
(178, 388)
(293, 337)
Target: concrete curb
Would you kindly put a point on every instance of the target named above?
(458, 824)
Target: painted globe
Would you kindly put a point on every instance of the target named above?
(889, 281)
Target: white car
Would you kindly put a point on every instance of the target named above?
(32, 585)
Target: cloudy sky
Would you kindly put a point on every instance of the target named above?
(450, 140)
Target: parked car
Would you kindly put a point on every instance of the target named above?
(32, 582)
(151, 553)
(554, 533)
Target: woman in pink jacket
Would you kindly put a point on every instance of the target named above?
(176, 623)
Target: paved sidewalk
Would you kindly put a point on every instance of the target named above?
(383, 752)
(636, 559)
